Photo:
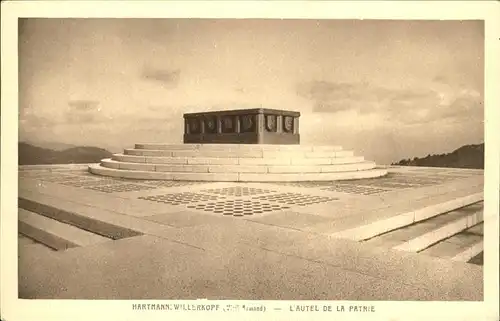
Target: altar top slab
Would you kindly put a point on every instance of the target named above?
(251, 111)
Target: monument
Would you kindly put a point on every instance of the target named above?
(247, 145)
(248, 126)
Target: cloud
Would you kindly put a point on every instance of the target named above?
(83, 105)
(441, 79)
(362, 97)
(411, 97)
(168, 78)
(82, 111)
(464, 109)
(405, 106)
(30, 121)
(321, 90)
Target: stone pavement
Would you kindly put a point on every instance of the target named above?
(309, 240)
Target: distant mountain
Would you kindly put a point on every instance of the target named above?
(468, 156)
(51, 145)
(33, 155)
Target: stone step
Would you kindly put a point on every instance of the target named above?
(71, 217)
(40, 249)
(236, 160)
(242, 147)
(54, 234)
(237, 153)
(377, 226)
(478, 259)
(461, 247)
(225, 176)
(25, 243)
(23, 240)
(218, 168)
(419, 236)
(103, 217)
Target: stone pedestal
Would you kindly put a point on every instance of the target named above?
(245, 126)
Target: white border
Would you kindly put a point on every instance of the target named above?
(14, 309)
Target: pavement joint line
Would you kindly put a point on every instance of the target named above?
(280, 226)
(175, 241)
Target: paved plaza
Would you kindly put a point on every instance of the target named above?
(405, 236)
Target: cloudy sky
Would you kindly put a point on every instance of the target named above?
(387, 89)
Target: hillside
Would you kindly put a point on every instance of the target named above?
(33, 155)
(468, 156)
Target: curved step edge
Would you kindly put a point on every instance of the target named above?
(235, 160)
(237, 168)
(235, 177)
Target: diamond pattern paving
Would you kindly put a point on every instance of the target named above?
(171, 183)
(89, 183)
(48, 177)
(237, 191)
(81, 173)
(117, 188)
(296, 199)
(363, 190)
(181, 198)
(303, 184)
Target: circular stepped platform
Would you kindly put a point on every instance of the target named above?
(237, 163)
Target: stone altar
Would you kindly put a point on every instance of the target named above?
(244, 126)
(246, 145)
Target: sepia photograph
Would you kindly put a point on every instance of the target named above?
(252, 165)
